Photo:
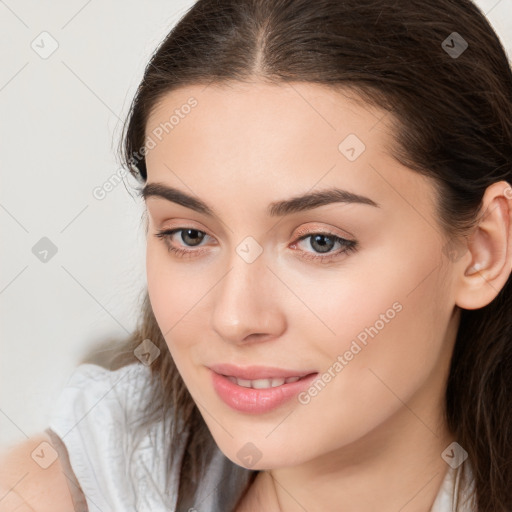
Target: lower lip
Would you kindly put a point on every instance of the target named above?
(257, 401)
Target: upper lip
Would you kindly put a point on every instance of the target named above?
(257, 372)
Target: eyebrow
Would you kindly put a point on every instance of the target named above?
(276, 209)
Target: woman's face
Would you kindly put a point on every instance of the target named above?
(369, 314)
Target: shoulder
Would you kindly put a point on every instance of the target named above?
(99, 401)
(123, 385)
(32, 479)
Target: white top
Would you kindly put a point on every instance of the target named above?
(94, 418)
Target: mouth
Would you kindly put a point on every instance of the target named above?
(258, 389)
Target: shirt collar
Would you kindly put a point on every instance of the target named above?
(446, 499)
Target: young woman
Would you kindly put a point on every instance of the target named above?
(327, 324)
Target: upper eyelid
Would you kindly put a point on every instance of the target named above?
(155, 216)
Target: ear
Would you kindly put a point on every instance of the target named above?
(490, 247)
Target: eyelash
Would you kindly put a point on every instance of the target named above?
(348, 245)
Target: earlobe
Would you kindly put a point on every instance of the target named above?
(490, 246)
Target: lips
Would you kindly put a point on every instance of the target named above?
(258, 389)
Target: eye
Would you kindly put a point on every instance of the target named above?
(188, 235)
(323, 242)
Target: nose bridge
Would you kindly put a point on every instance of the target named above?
(244, 303)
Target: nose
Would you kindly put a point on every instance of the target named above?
(247, 306)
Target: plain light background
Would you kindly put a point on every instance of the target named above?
(60, 122)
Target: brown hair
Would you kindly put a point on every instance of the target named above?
(452, 117)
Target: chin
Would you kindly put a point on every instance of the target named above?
(260, 453)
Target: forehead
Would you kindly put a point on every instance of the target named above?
(264, 141)
(265, 126)
(298, 108)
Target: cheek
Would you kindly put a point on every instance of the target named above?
(389, 326)
(172, 287)
(169, 298)
(393, 300)
(177, 296)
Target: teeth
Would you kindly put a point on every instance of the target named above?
(244, 383)
(262, 383)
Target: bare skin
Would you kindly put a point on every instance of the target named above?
(26, 486)
(372, 438)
